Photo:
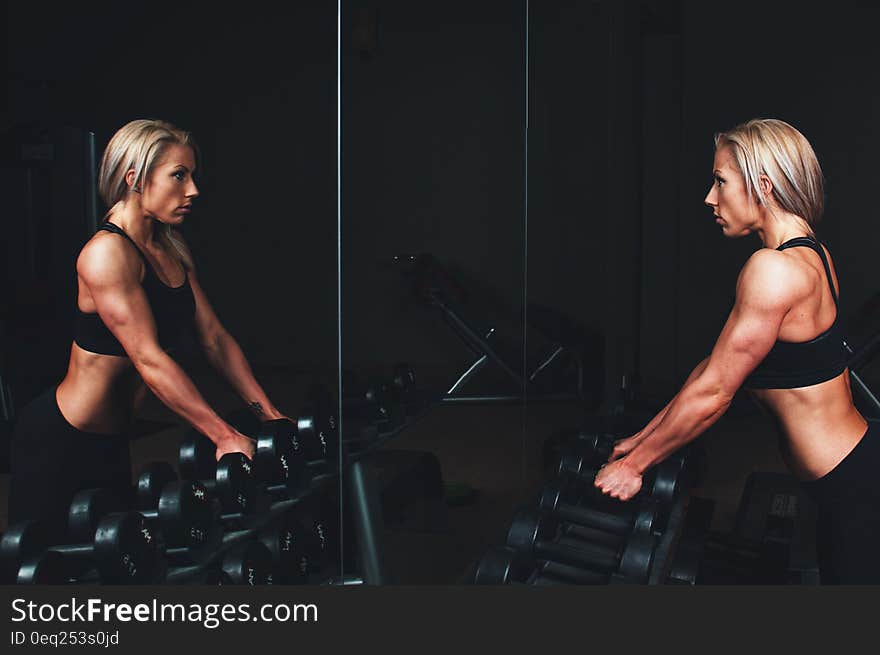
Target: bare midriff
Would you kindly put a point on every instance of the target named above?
(818, 425)
(100, 393)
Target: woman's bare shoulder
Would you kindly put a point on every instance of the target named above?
(106, 257)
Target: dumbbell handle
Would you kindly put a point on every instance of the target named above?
(572, 573)
(592, 534)
(592, 556)
(74, 550)
(619, 524)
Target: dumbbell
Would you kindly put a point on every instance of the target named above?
(231, 479)
(18, 543)
(46, 568)
(24, 558)
(293, 541)
(182, 510)
(318, 426)
(534, 533)
(596, 442)
(403, 386)
(247, 562)
(322, 530)
(645, 516)
(278, 463)
(660, 482)
(370, 401)
(306, 454)
(214, 575)
(309, 444)
(507, 565)
(117, 544)
(598, 446)
(123, 550)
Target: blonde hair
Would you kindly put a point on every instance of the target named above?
(139, 145)
(771, 147)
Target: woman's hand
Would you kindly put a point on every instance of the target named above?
(236, 443)
(625, 446)
(618, 480)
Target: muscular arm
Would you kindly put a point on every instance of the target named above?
(111, 276)
(764, 295)
(226, 356)
(624, 446)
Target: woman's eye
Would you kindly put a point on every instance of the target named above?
(719, 181)
(178, 175)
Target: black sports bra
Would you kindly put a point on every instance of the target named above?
(173, 310)
(788, 364)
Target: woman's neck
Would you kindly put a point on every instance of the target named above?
(140, 227)
(779, 227)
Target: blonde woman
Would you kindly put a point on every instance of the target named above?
(138, 296)
(784, 343)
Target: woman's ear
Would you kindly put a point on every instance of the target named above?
(766, 188)
(129, 180)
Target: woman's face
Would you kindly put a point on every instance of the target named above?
(170, 188)
(728, 197)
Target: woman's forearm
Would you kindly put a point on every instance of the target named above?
(694, 409)
(227, 357)
(171, 385)
(658, 418)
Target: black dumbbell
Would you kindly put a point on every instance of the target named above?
(123, 550)
(214, 575)
(292, 451)
(597, 446)
(24, 558)
(596, 442)
(315, 433)
(318, 426)
(403, 387)
(279, 439)
(293, 540)
(647, 515)
(534, 533)
(507, 565)
(278, 464)
(46, 568)
(20, 542)
(322, 531)
(660, 482)
(231, 479)
(247, 562)
(181, 510)
(369, 401)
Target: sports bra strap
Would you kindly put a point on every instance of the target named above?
(812, 243)
(112, 227)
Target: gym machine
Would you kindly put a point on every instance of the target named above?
(570, 369)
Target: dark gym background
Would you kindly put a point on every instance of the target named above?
(596, 210)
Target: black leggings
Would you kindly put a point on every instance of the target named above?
(52, 460)
(848, 528)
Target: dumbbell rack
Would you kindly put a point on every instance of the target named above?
(363, 491)
(360, 439)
